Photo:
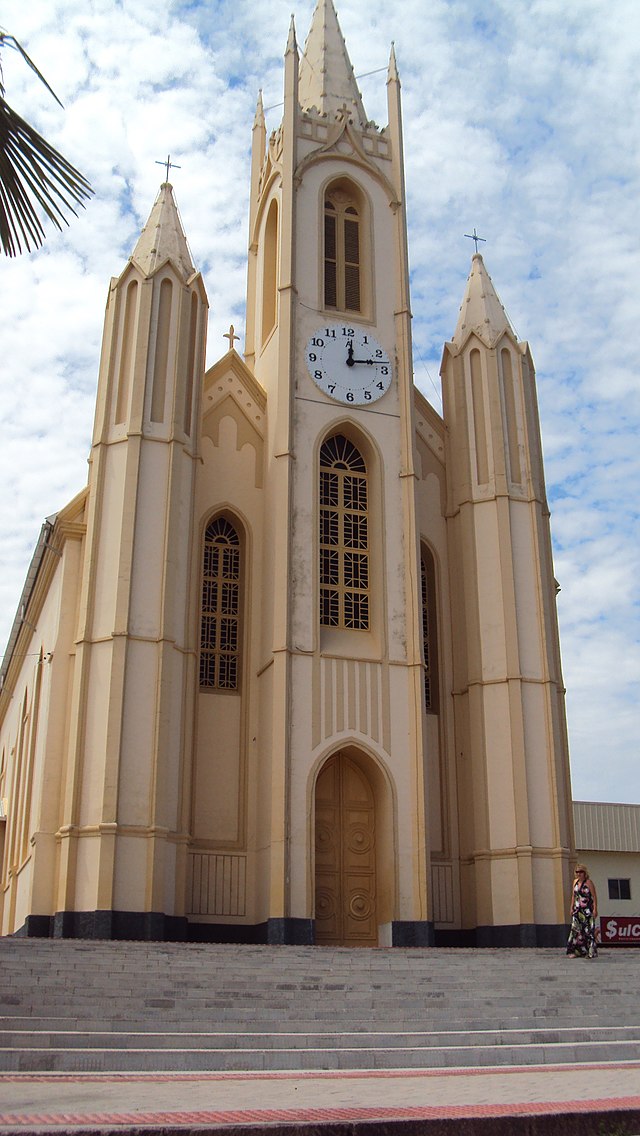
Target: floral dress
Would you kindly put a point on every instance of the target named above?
(582, 936)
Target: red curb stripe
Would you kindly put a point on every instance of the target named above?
(310, 1074)
(239, 1116)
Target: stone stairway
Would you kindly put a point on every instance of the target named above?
(79, 1006)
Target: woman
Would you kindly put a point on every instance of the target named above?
(584, 913)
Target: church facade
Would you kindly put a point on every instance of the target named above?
(287, 670)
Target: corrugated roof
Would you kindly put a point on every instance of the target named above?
(602, 827)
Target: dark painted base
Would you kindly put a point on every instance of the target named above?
(274, 932)
(412, 933)
(516, 935)
(149, 926)
(156, 927)
(153, 926)
(291, 932)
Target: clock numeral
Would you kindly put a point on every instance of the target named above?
(367, 396)
(349, 396)
(379, 353)
(380, 386)
(330, 333)
(312, 357)
(317, 374)
(317, 342)
(365, 338)
(348, 331)
(384, 370)
(331, 387)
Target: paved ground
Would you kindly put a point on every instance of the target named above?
(347, 1102)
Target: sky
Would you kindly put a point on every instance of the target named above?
(520, 119)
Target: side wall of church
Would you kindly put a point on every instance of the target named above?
(35, 725)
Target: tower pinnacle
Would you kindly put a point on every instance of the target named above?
(481, 311)
(327, 80)
(163, 237)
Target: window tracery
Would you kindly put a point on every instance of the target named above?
(344, 536)
(220, 618)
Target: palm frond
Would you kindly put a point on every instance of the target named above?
(11, 41)
(33, 176)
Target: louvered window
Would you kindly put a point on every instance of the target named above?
(344, 536)
(342, 253)
(220, 620)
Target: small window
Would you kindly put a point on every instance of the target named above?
(619, 889)
(220, 620)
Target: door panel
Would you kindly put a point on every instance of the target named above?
(345, 911)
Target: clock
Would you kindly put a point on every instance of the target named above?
(348, 364)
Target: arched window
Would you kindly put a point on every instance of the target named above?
(270, 272)
(342, 250)
(344, 536)
(126, 353)
(220, 620)
(429, 630)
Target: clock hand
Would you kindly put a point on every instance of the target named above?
(369, 362)
(350, 359)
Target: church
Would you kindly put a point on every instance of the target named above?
(287, 669)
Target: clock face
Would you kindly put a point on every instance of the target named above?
(348, 364)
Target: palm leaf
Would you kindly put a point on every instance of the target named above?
(34, 178)
(32, 174)
(11, 41)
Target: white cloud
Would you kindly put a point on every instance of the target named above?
(520, 119)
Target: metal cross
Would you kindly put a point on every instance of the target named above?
(231, 336)
(474, 237)
(169, 165)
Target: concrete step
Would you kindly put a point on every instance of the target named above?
(377, 1054)
(73, 1006)
(365, 1039)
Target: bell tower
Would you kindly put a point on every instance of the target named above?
(122, 840)
(328, 337)
(513, 767)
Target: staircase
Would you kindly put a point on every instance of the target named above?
(76, 1006)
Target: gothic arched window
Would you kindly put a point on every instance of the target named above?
(429, 630)
(220, 619)
(342, 250)
(270, 272)
(344, 536)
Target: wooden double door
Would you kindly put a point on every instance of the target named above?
(345, 838)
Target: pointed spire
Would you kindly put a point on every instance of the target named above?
(392, 72)
(163, 237)
(259, 116)
(292, 43)
(327, 80)
(481, 311)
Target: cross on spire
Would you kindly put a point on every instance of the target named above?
(474, 237)
(169, 165)
(231, 335)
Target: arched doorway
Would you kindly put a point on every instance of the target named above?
(345, 836)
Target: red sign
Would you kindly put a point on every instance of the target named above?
(623, 929)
